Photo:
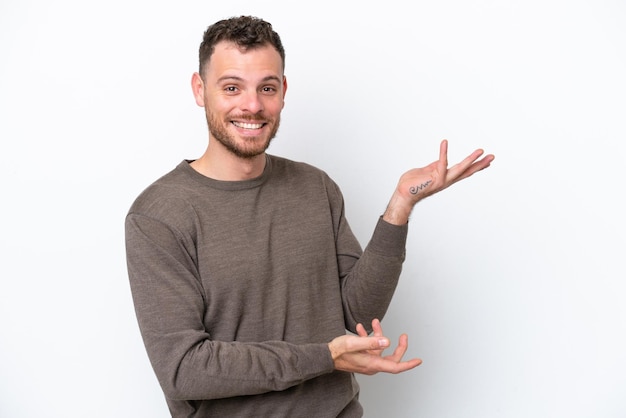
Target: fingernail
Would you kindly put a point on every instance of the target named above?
(383, 342)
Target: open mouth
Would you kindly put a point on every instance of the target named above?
(247, 125)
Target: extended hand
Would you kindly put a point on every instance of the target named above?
(418, 183)
(363, 354)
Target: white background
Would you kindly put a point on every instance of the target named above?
(513, 287)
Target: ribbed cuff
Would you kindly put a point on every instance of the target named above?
(389, 239)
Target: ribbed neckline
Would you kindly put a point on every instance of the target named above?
(187, 170)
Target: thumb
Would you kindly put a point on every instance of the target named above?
(351, 344)
(369, 343)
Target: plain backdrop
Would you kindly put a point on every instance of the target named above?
(512, 291)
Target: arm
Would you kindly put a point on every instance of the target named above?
(364, 355)
(369, 280)
(170, 305)
(190, 366)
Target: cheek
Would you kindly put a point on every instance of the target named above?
(219, 107)
(275, 107)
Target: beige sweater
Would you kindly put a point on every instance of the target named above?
(239, 286)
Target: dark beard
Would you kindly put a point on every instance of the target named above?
(218, 131)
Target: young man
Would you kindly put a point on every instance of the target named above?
(244, 271)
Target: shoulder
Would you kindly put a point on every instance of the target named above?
(170, 194)
(284, 166)
(305, 177)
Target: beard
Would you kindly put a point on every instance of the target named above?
(245, 147)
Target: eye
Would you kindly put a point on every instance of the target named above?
(269, 89)
(230, 89)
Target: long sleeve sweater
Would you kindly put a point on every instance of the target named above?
(239, 286)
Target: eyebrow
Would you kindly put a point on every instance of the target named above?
(237, 78)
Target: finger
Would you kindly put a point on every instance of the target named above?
(389, 366)
(400, 351)
(407, 365)
(378, 329)
(443, 151)
(356, 344)
(469, 160)
(360, 330)
(377, 332)
(459, 169)
(472, 169)
(478, 165)
(442, 164)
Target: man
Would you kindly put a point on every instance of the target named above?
(244, 271)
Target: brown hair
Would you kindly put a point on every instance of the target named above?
(247, 32)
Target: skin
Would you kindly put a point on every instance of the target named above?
(243, 94)
(239, 87)
(419, 183)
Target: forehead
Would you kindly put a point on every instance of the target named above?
(228, 58)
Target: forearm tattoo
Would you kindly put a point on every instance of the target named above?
(416, 189)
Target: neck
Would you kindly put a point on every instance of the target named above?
(220, 164)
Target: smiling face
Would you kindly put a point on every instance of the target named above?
(242, 92)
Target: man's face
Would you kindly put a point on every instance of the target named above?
(243, 94)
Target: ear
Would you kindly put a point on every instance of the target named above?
(197, 86)
(284, 90)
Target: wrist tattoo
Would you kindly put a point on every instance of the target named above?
(415, 189)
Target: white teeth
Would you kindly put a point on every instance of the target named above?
(248, 125)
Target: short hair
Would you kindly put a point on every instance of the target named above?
(247, 32)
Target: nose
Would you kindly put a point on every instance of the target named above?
(252, 102)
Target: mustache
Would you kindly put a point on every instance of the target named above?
(249, 117)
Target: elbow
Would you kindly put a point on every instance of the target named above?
(177, 389)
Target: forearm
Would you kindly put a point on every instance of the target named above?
(213, 369)
(170, 305)
(398, 210)
(369, 286)
(191, 366)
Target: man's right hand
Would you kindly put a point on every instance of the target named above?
(363, 354)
